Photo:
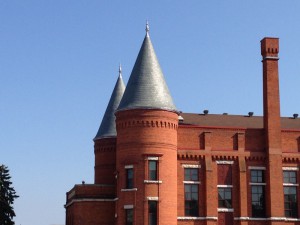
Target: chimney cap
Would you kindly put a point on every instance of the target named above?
(295, 115)
(250, 114)
(205, 111)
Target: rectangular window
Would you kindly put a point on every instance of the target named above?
(290, 202)
(129, 178)
(258, 192)
(258, 200)
(152, 169)
(129, 216)
(257, 176)
(191, 199)
(290, 194)
(191, 174)
(152, 212)
(225, 200)
(289, 177)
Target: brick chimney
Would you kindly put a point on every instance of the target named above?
(269, 52)
(272, 127)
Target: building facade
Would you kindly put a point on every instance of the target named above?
(155, 165)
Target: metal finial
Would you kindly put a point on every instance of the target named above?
(120, 70)
(147, 28)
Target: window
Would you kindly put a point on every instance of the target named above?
(289, 177)
(290, 194)
(257, 193)
(258, 200)
(225, 198)
(290, 202)
(152, 212)
(191, 199)
(257, 176)
(152, 169)
(129, 178)
(191, 174)
(129, 216)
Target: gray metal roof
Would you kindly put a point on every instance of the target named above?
(146, 88)
(108, 124)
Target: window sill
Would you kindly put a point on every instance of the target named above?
(131, 189)
(197, 218)
(225, 210)
(152, 181)
(257, 183)
(191, 182)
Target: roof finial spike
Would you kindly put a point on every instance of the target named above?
(147, 28)
(120, 70)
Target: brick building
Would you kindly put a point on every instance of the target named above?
(156, 165)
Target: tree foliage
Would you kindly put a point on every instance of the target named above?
(7, 197)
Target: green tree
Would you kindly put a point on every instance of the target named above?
(7, 197)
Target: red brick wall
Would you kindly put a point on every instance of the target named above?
(91, 213)
(143, 133)
(105, 160)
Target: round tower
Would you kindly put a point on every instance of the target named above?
(146, 156)
(106, 138)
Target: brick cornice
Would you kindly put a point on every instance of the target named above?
(147, 123)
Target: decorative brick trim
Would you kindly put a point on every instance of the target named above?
(147, 123)
(256, 158)
(291, 159)
(104, 149)
(190, 156)
(218, 157)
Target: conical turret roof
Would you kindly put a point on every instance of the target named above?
(108, 124)
(146, 88)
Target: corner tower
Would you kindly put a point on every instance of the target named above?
(146, 156)
(106, 138)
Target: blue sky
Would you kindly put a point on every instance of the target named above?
(59, 63)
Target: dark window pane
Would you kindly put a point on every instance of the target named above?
(290, 177)
(129, 216)
(191, 199)
(129, 178)
(258, 201)
(225, 198)
(152, 212)
(152, 170)
(257, 176)
(191, 174)
(290, 202)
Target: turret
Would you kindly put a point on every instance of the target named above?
(147, 122)
(106, 138)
